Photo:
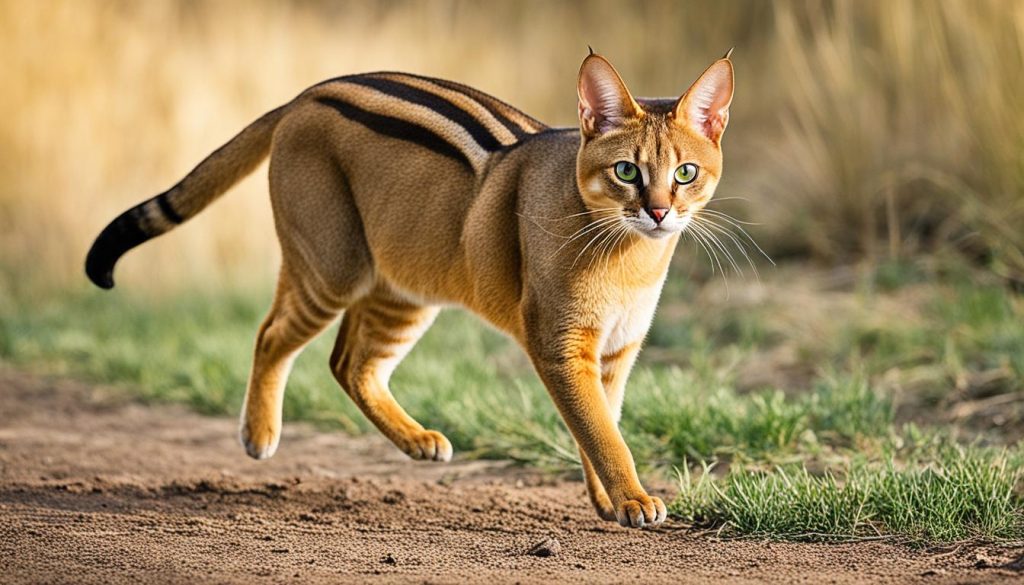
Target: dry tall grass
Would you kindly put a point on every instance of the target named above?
(855, 122)
(901, 128)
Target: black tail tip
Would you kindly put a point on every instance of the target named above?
(100, 273)
(121, 235)
(104, 280)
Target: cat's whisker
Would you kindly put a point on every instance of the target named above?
(733, 222)
(605, 248)
(733, 197)
(590, 227)
(698, 242)
(700, 232)
(740, 245)
(536, 223)
(630, 234)
(614, 240)
(599, 249)
(624, 234)
(605, 229)
(597, 253)
(716, 246)
(727, 216)
(570, 237)
(717, 242)
(589, 211)
(535, 219)
(596, 224)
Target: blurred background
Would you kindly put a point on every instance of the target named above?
(875, 147)
(860, 131)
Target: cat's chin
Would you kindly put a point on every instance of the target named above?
(657, 233)
(672, 225)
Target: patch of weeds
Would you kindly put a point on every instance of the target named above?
(966, 493)
(679, 413)
(893, 274)
(968, 339)
(846, 407)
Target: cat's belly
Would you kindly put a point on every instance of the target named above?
(499, 311)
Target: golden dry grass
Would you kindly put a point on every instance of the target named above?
(860, 128)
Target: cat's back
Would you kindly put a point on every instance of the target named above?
(449, 119)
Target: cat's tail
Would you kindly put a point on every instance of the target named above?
(158, 215)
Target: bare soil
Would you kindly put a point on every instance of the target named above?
(95, 488)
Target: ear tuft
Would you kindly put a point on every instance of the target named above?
(604, 101)
(705, 106)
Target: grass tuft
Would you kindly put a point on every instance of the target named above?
(963, 494)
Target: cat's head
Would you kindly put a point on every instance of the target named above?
(652, 163)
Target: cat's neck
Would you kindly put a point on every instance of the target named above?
(638, 261)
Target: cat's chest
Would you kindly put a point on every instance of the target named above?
(627, 322)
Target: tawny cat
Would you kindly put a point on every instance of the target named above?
(395, 194)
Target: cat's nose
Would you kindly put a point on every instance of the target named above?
(657, 213)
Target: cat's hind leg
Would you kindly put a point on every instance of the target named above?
(376, 333)
(299, 312)
(326, 266)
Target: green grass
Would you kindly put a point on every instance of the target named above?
(869, 472)
(962, 494)
(462, 378)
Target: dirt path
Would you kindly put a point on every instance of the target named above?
(98, 489)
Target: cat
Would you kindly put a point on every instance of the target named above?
(394, 194)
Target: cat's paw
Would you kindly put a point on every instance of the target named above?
(427, 445)
(641, 511)
(260, 441)
(605, 510)
(601, 502)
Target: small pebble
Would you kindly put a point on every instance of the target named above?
(549, 547)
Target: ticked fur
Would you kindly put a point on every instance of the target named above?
(394, 194)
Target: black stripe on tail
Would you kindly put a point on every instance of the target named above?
(121, 235)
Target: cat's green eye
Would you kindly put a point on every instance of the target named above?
(686, 173)
(627, 172)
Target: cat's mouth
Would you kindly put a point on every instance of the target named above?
(671, 223)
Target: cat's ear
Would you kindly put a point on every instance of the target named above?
(605, 103)
(705, 106)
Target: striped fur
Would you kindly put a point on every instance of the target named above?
(394, 194)
(442, 116)
(156, 216)
(445, 117)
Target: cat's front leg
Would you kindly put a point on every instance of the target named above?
(567, 360)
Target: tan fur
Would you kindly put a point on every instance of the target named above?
(530, 235)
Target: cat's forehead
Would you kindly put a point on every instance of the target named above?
(659, 140)
(657, 106)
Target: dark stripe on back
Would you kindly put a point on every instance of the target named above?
(165, 206)
(397, 128)
(415, 95)
(489, 102)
